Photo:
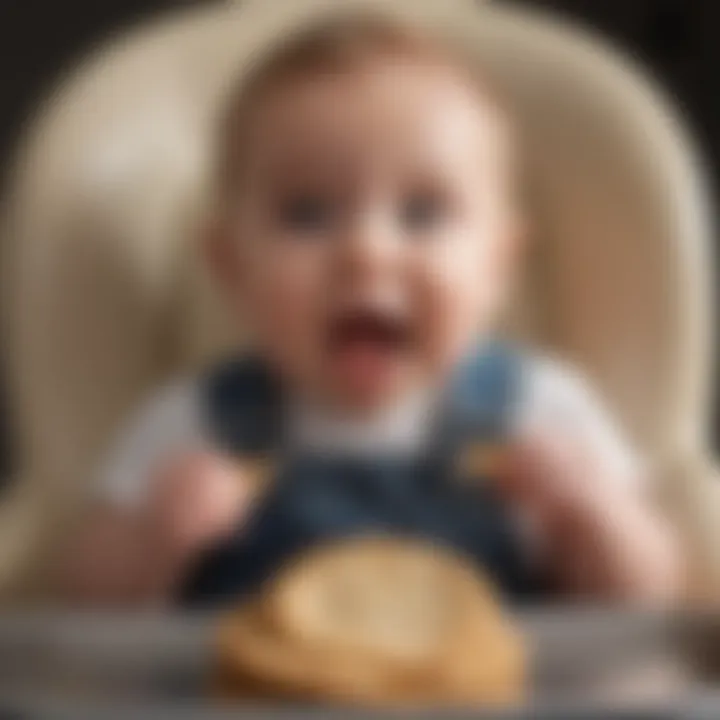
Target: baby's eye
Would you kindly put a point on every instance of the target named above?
(306, 213)
(422, 212)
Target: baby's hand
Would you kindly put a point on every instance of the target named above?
(600, 537)
(197, 500)
(121, 558)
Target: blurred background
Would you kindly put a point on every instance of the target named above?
(676, 39)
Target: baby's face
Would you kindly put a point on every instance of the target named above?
(371, 234)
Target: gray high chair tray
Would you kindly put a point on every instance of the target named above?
(586, 663)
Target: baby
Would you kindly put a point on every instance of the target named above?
(368, 225)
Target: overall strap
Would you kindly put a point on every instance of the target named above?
(484, 394)
(243, 403)
(242, 407)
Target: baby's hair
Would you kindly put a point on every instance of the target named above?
(342, 44)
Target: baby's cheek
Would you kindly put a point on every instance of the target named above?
(458, 300)
(288, 308)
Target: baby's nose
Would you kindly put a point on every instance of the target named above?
(370, 248)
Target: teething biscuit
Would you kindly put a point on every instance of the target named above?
(375, 622)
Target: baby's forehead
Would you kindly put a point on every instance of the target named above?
(355, 64)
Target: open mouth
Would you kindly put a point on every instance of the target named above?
(370, 330)
(367, 348)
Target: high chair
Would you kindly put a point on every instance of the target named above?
(104, 295)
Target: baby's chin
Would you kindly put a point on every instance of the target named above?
(364, 383)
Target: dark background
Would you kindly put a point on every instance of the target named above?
(677, 39)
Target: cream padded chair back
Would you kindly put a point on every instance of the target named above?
(104, 295)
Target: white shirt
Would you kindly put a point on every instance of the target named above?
(553, 398)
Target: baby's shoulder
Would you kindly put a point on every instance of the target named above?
(194, 412)
(237, 382)
(557, 397)
(553, 390)
(169, 414)
(167, 423)
(515, 376)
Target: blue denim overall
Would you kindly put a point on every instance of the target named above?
(314, 499)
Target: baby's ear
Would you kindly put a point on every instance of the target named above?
(515, 243)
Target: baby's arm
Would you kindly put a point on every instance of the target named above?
(163, 498)
(603, 538)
